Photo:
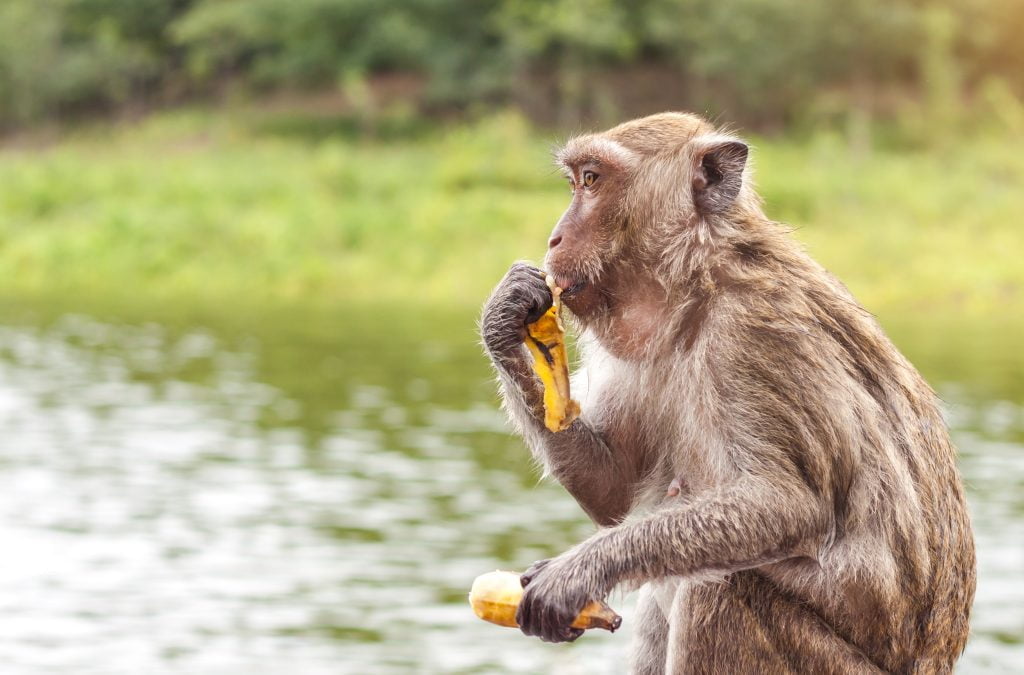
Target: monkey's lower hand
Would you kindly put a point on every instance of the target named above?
(521, 297)
(555, 590)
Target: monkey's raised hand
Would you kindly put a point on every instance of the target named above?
(555, 590)
(520, 298)
(578, 456)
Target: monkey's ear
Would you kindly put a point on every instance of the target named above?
(718, 176)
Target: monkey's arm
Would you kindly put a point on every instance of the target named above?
(747, 524)
(577, 457)
(741, 526)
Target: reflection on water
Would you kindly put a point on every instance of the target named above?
(175, 500)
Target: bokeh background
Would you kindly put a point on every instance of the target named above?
(245, 424)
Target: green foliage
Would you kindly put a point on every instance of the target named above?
(769, 52)
(765, 60)
(60, 55)
(199, 209)
(302, 41)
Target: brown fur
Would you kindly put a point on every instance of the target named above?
(821, 525)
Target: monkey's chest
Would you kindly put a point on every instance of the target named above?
(662, 428)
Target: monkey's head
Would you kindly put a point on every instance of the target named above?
(643, 193)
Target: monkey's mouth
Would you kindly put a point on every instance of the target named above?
(578, 295)
(569, 287)
(574, 288)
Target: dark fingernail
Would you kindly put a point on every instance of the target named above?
(525, 579)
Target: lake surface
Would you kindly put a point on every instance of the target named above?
(315, 495)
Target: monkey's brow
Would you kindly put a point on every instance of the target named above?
(569, 163)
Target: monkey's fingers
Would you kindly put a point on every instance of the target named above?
(495, 597)
(526, 577)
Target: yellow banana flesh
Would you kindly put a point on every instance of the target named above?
(496, 595)
(545, 338)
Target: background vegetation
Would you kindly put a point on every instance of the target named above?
(763, 62)
(228, 207)
(349, 151)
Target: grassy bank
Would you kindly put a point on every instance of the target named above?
(222, 209)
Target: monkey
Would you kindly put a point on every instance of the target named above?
(760, 460)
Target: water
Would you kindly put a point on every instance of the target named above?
(316, 496)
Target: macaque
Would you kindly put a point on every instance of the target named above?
(761, 461)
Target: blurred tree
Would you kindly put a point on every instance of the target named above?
(571, 38)
(64, 55)
(772, 59)
(774, 55)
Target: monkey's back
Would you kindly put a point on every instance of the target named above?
(794, 370)
(812, 371)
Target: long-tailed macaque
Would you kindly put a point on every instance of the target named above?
(759, 457)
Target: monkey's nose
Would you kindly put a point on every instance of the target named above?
(554, 241)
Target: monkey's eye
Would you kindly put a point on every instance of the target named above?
(588, 178)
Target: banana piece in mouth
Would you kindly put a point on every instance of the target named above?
(545, 338)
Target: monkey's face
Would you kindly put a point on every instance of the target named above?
(638, 190)
(583, 244)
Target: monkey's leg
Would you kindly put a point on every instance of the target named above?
(809, 644)
(748, 625)
(650, 633)
(713, 631)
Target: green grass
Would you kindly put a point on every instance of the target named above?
(215, 208)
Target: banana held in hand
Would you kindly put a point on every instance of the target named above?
(496, 595)
(545, 338)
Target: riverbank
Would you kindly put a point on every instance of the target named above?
(192, 206)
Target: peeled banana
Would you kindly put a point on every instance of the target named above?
(496, 595)
(545, 338)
